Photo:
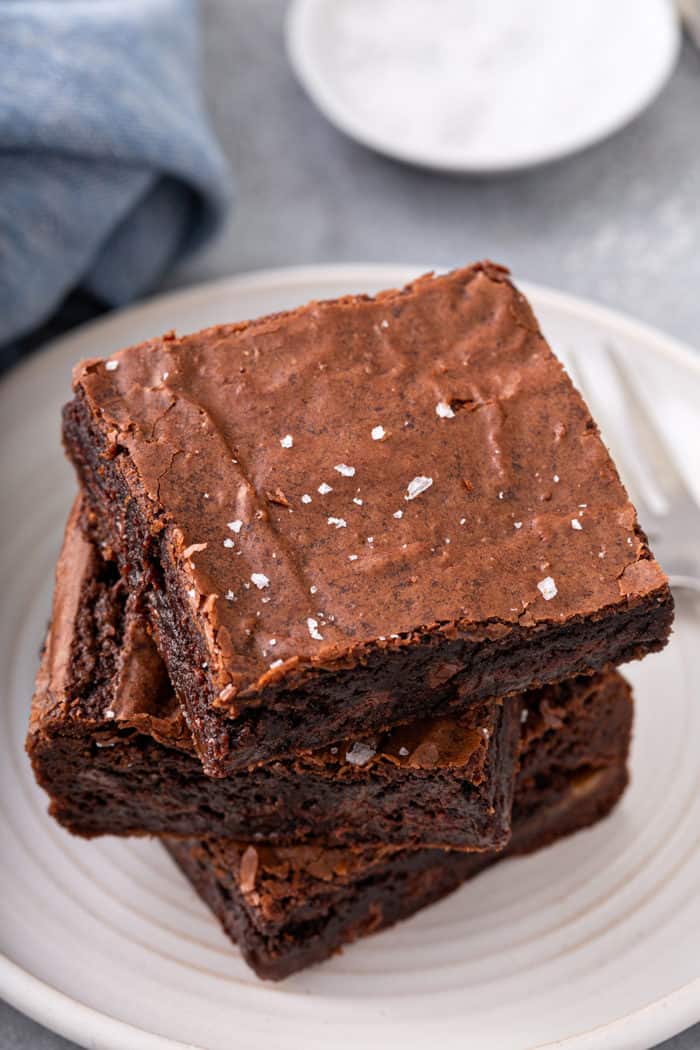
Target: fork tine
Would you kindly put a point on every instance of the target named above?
(646, 433)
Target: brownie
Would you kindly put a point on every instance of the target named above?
(362, 512)
(109, 744)
(288, 908)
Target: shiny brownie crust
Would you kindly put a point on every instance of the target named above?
(201, 457)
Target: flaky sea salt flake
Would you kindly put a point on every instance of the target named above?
(312, 625)
(287, 441)
(260, 580)
(444, 410)
(324, 489)
(340, 523)
(359, 754)
(345, 470)
(235, 526)
(111, 366)
(306, 498)
(228, 542)
(576, 524)
(378, 433)
(547, 588)
(418, 485)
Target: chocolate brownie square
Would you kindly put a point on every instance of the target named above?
(289, 908)
(109, 744)
(362, 512)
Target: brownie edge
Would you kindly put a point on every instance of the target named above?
(404, 885)
(289, 908)
(344, 559)
(109, 744)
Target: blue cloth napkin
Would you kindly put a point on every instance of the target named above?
(108, 167)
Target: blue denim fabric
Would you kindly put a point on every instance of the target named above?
(108, 167)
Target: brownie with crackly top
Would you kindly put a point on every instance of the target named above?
(108, 742)
(362, 512)
(288, 908)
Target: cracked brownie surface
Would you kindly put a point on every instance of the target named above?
(362, 512)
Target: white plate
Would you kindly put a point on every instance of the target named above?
(593, 943)
(482, 87)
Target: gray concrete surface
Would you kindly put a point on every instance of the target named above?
(619, 223)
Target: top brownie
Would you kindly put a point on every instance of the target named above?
(361, 512)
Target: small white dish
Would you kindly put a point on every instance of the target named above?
(593, 944)
(468, 87)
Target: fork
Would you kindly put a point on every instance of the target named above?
(689, 11)
(673, 525)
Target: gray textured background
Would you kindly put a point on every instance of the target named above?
(619, 223)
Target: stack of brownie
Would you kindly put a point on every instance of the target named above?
(339, 608)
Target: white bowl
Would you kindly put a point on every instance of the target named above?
(468, 87)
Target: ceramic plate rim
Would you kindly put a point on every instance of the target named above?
(300, 15)
(657, 1020)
